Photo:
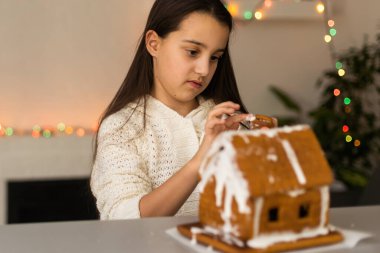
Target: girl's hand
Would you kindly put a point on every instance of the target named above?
(217, 122)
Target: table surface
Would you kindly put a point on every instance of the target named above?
(148, 235)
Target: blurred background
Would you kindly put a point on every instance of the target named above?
(61, 62)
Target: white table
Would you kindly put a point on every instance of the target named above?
(148, 235)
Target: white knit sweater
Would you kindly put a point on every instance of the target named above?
(131, 162)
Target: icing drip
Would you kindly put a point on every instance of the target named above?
(250, 117)
(325, 199)
(230, 180)
(272, 157)
(296, 193)
(214, 232)
(294, 161)
(194, 232)
(245, 138)
(256, 219)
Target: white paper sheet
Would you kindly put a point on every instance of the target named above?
(351, 239)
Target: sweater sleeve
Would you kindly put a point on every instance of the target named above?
(119, 178)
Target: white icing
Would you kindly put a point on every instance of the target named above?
(269, 132)
(211, 230)
(236, 241)
(230, 239)
(272, 157)
(294, 161)
(272, 132)
(265, 240)
(271, 179)
(325, 199)
(229, 179)
(194, 232)
(256, 218)
(250, 117)
(245, 139)
(296, 193)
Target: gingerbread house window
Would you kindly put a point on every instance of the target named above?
(304, 210)
(273, 214)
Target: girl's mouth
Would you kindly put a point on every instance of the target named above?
(195, 84)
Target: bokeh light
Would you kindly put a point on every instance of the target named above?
(336, 92)
(320, 8)
(338, 65)
(61, 127)
(46, 133)
(332, 32)
(9, 131)
(268, 3)
(357, 143)
(233, 8)
(258, 15)
(69, 130)
(341, 72)
(347, 101)
(248, 15)
(348, 138)
(80, 132)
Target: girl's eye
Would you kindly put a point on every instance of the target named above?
(215, 58)
(192, 52)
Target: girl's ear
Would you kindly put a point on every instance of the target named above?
(152, 42)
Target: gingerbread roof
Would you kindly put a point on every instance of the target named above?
(268, 161)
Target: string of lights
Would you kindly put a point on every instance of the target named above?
(322, 7)
(47, 132)
(258, 9)
(329, 39)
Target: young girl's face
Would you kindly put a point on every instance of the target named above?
(185, 61)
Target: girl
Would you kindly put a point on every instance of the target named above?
(169, 109)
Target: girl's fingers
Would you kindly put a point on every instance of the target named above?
(236, 119)
(228, 104)
(224, 108)
(218, 112)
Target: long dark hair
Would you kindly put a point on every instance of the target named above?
(164, 18)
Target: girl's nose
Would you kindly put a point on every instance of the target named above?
(202, 66)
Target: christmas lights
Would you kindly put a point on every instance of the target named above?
(247, 9)
(47, 132)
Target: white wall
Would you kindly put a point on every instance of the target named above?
(64, 60)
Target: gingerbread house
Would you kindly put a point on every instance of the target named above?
(267, 189)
